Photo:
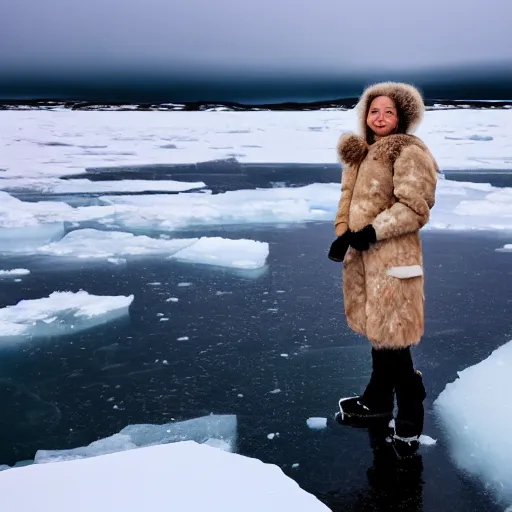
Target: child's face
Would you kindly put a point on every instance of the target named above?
(382, 116)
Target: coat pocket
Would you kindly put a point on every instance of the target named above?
(405, 272)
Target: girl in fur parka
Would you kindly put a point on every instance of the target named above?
(388, 189)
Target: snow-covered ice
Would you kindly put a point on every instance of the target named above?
(178, 476)
(316, 423)
(476, 413)
(216, 429)
(15, 272)
(223, 252)
(60, 313)
(55, 143)
(93, 243)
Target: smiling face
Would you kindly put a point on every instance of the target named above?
(382, 118)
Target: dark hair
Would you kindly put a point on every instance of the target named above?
(401, 127)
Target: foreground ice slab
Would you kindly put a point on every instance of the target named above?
(60, 313)
(43, 143)
(178, 476)
(476, 412)
(215, 430)
(223, 252)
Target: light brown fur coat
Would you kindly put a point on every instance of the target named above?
(391, 185)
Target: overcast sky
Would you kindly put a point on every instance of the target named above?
(309, 35)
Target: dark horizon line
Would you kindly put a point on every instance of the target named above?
(342, 102)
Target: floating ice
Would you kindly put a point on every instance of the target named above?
(206, 429)
(427, 440)
(223, 252)
(81, 186)
(177, 476)
(505, 248)
(14, 272)
(476, 415)
(459, 206)
(61, 313)
(92, 243)
(28, 239)
(316, 423)
(263, 206)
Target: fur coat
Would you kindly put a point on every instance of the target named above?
(389, 183)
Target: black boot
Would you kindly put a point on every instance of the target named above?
(410, 394)
(377, 401)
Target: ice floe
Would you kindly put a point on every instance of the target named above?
(60, 313)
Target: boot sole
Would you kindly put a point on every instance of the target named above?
(346, 418)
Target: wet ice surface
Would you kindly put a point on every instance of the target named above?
(249, 335)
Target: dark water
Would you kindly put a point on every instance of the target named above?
(476, 82)
(55, 393)
(59, 393)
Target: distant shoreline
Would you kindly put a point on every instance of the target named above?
(337, 104)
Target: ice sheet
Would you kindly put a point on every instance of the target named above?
(476, 413)
(59, 314)
(53, 143)
(176, 476)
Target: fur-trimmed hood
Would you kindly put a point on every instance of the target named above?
(407, 98)
(353, 147)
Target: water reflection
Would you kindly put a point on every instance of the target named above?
(394, 483)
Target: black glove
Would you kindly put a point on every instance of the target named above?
(361, 240)
(339, 247)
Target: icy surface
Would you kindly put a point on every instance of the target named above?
(92, 243)
(216, 430)
(83, 186)
(476, 414)
(60, 313)
(176, 476)
(54, 143)
(14, 272)
(244, 254)
(459, 206)
(28, 239)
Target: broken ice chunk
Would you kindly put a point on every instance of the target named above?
(316, 423)
(61, 313)
(224, 252)
(14, 272)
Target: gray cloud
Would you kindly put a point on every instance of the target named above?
(327, 36)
